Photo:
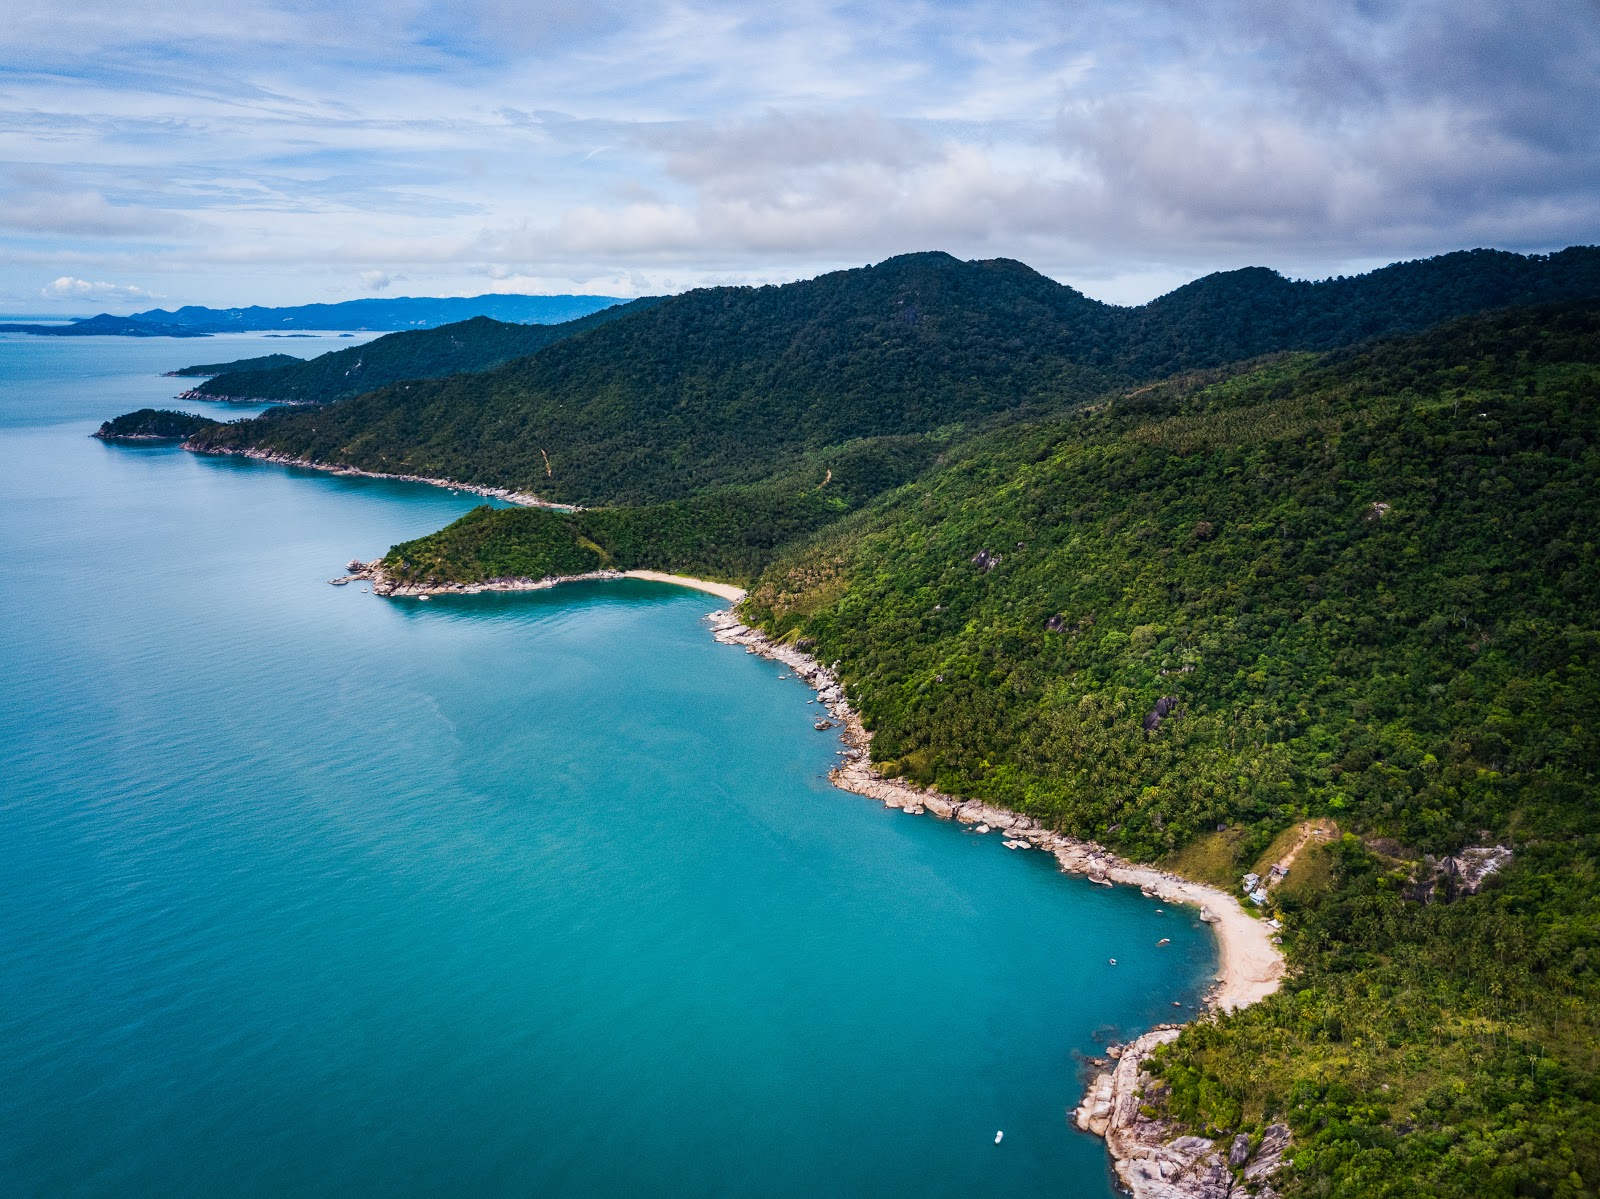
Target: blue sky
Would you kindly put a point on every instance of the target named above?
(274, 151)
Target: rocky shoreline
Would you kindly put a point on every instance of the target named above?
(1149, 1160)
(207, 398)
(522, 499)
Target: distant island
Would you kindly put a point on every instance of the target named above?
(105, 325)
(152, 424)
(403, 312)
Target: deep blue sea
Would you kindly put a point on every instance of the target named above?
(307, 892)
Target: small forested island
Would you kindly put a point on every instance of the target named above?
(265, 362)
(1290, 588)
(152, 424)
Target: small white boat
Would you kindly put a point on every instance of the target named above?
(998, 1137)
(1113, 961)
(1164, 941)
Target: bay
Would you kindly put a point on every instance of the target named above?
(307, 892)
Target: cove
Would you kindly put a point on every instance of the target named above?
(313, 893)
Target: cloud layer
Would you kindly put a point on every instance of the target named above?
(284, 151)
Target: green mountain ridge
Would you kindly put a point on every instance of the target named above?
(726, 386)
(478, 344)
(1368, 578)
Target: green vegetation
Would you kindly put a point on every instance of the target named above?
(153, 424)
(730, 386)
(729, 534)
(472, 345)
(264, 363)
(1365, 575)
(1370, 580)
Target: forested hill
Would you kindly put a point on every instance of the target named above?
(1369, 583)
(1241, 314)
(265, 362)
(473, 345)
(727, 385)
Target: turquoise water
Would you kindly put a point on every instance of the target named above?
(306, 892)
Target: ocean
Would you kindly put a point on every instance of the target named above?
(308, 892)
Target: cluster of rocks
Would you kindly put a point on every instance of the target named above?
(1166, 707)
(1444, 879)
(1153, 1164)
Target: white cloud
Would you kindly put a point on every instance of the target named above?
(68, 288)
(289, 148)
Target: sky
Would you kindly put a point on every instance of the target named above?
(297, 151)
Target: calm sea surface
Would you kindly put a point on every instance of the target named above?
(305, 892)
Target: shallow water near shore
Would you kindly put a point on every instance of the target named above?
(312, 893)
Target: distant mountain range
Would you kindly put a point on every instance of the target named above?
(104, 325)
(404, 312)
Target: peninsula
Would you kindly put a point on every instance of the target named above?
(1160, 590)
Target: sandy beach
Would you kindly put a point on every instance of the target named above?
(726, 590)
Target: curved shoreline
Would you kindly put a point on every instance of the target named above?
(1150, 1157)
(1251, 966)
(523, 499)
